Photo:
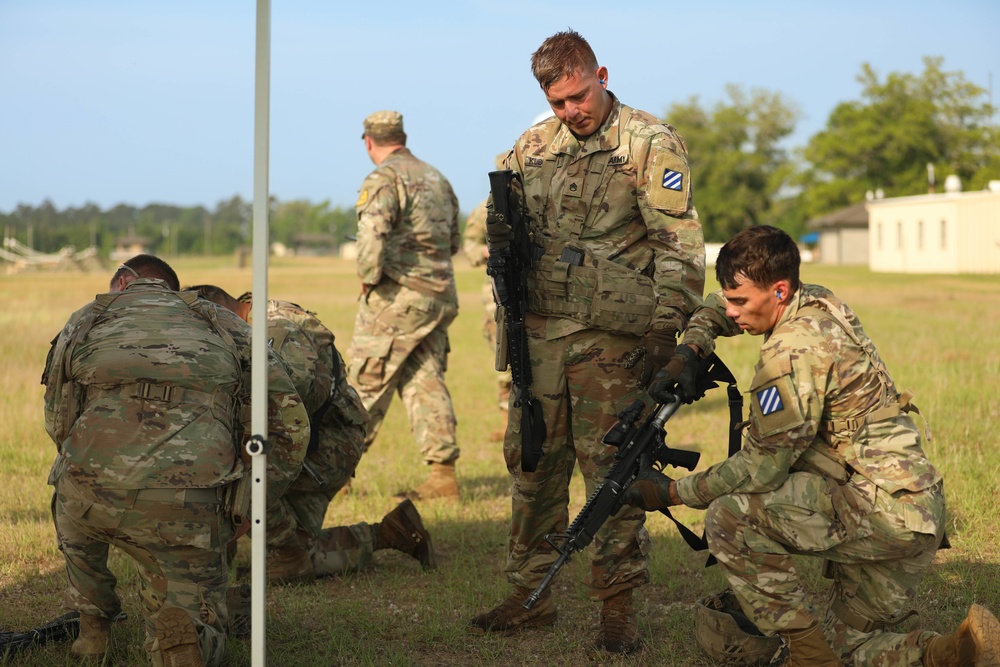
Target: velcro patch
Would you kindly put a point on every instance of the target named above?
(669, 183)
(775, 407)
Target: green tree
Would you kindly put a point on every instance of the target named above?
(886, 139)
(739, 164)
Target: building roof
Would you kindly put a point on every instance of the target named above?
(855, 215)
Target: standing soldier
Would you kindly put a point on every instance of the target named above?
(619, 267)
(144, 390)
(407, 234)
(476, 251)
(298, 547)
(831, 467)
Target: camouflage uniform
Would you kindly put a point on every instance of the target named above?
(407, 233)
(475, 249)
(641, 243)
(831, 467)
(337, 421)
(143, 391)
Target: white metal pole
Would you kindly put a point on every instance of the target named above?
(258, 419)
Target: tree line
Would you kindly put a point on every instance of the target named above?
(743, 170)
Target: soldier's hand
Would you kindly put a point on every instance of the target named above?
(677, 377)
(498, 232)
(650, 490)
(659, 348)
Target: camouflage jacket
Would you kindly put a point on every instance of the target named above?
(145, 388)
(623, 196)
(314, 364)
(474, 237)
(821, 400)
(408, 226)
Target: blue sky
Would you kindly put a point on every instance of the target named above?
(133, 101)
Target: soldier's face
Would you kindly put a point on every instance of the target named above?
(756, 309)
(580, 101)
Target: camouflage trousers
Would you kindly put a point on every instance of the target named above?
(400, 345)
(490, 334)
(175, 537)
(301, 510)
(582, 383)
(343, 549)
(863, 532)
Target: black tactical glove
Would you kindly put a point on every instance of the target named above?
(659, 348)
(649, 491)
(677, 377)
(498, 232)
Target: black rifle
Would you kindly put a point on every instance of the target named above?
(58, 629)
(638, 448)
(508, 264)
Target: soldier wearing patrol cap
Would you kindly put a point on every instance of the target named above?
(620, 267)
(832, 467)
(407, 234)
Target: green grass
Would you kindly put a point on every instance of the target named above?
(940, 336)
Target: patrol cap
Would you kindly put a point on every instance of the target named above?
(383, 124)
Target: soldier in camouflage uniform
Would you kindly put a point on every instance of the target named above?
(144, 389)
(832, 467)
(407, 234)
(620, 268)
(298, 547)
(476, 251)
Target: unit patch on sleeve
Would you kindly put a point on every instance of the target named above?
(673, 180)
(769, 400)
(669, 183)
(775, 405)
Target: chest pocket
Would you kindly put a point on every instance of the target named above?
(774, 403)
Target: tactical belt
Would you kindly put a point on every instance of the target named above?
(176, 496)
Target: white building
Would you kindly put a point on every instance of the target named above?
(953, 232)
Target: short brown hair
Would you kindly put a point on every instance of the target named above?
(148, 266)
(763, 254)
(560, 55)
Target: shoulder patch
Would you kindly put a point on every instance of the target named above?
(774, 404)
(362, 198)
(669, 183)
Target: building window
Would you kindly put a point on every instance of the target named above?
(899, 235)
(920, 235)
(944, 234)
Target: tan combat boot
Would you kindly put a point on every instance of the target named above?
(289, 564)
(619, 631)
(511, 616)
(976, 643)
(809, 648)
(402, 529)
(92, 642)
(441, 484)
(178, 639)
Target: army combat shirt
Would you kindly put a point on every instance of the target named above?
(624, 195)
(408, 226)
(153, 384)
(815, 382)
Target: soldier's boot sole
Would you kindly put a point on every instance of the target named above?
(178, 639)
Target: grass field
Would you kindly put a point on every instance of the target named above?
(940, 336)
